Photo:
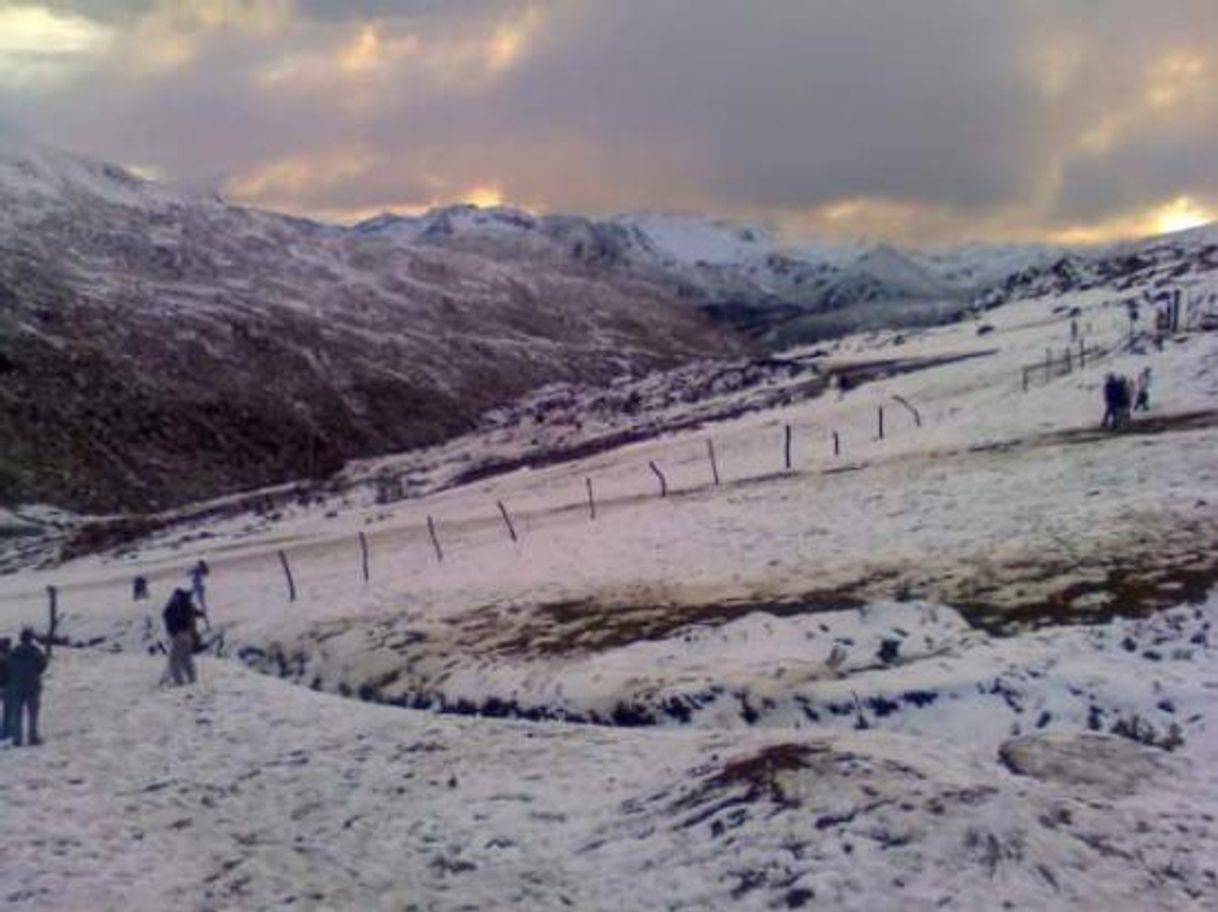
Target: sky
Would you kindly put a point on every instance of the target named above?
(929, 122)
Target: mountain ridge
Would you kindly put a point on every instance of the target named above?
(158, 347)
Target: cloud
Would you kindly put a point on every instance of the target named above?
(940, 120)
(39, 45)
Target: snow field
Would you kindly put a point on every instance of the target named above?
(246, 792)
(715, 613)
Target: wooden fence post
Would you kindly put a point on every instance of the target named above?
(1025, 379)
(1082, 354)
(881, 421)
(287, 571)
(1069, 361)
(363, 548)
(710, 450)
(507, 519)
(837, 444)
(435, 541)
(660, 475)
(53, 620)
(786, 446)
(591, 501)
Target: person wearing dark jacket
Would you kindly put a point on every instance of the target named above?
(26, 664)
(179, 617)
(6, 721)
(1112, 403)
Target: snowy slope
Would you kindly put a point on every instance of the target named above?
(806, 698)
(246, 792)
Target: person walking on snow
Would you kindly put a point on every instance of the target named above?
(179, 615)
(198, 582)
(26, 664)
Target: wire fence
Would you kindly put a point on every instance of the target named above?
(322, 570)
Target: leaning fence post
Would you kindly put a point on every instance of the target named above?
(710, 451)
(287, 571)
(591, 501)
(660, 475)
(917, 417)
(507, 519)
(786, 446)
(363, 548)
(431, 528)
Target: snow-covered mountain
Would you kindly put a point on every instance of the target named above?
(738, 274)
(746, 277)
(1151, 267)
(156, 347)
(743, 275)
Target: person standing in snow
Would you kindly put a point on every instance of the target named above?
(1142, 401)
(198, 582)
(26, 664)
(1112, 403)
(6, 721)
(179, 615)
(1126, 401)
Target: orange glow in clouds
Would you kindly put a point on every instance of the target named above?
(1181, 214)
(485, 196)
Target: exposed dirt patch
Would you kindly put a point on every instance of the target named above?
(1134, 590)
(760, 772)
(584, 626)
(1141, 425)
(1010, 597)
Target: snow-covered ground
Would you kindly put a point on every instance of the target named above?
(821, 711)
(246, 792)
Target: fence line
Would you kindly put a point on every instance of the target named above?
(1063, 364)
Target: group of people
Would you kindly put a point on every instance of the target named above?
(22, 666)
(1123, 396)
(21, 669)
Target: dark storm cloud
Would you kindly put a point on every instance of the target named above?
(1016, 114)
